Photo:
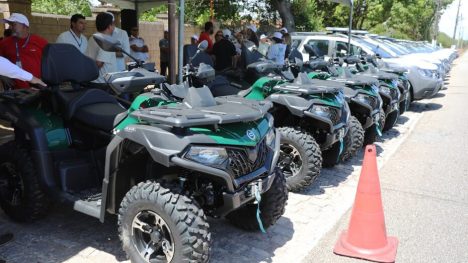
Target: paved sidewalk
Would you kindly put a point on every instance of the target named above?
(424, 185)
(68, 236)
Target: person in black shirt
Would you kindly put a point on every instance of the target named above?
(224, 50)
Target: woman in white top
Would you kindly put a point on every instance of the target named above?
(278, 49)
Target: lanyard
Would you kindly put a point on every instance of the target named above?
(23, 46)
(75, 37)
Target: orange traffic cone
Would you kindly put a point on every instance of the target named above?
(366, 237)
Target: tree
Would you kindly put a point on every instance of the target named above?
(65, 7)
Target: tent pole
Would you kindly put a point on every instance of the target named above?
(181, 39)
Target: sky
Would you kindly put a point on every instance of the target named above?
(447, 21)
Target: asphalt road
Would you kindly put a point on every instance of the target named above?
(424, 185)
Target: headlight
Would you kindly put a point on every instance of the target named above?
(363, 98)
(425, 72)
(270, 138)
(211, 156)
(395, 83)
(385, 90)
(323, 111)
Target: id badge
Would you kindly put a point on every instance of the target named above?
(18, 63)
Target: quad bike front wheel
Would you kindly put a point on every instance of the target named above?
(300, 158)
(21, 196)
(272, 207)
(353, 140)
(157, 225)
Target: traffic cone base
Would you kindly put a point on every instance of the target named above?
(366, 237)
(384, 254)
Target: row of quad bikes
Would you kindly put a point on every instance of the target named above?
(222, 144)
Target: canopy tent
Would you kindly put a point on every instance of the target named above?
(141, 6)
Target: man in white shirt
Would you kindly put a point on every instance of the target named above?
(278, 49)
(137, 45)
(106, 61)
(122, 36)
(74, 35)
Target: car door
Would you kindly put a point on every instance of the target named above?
(322, 46)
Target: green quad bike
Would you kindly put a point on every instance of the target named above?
(361, 94)
(311, 116)
(388, 89)
(371, 63)
(161, 166)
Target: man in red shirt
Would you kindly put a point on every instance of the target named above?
(206, 35)
(23, 48)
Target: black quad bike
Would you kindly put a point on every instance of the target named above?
(161, 166)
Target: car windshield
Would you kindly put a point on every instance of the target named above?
(400, 51)
(375, 48)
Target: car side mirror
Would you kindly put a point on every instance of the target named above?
(107, 43)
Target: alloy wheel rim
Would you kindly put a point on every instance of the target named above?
(290, 161)
(152, 237)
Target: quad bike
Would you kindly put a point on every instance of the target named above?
(361, 94)
(388, 89)
(311, 116)
(371, 63)
(161, 166)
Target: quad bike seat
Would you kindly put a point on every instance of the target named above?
(93, 107)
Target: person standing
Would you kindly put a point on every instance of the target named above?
(74, 35)
(278, 49)
(164, 53)
(251, 34)
(106, 61)
(206, 35)
(264, 45)
(23, 48)
(122, 36)
(224, 51)
(137, 45)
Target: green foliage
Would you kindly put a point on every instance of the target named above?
(304, 15)
(444, 39)
(150, 15)
(61, 7)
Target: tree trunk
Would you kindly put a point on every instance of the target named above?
(284, 9)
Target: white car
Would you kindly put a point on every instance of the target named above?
(424, 77)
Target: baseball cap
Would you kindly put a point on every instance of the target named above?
(284, 29)
(263, 36)
(195, 37)
(17, 18)
(226, 33)
(278, 35)
(252, 27)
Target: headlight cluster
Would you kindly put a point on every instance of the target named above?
(363, 98)
(428, 73)
(211, 156)
(270, 138)
(320, 110)
(385, 90)
(395, 83)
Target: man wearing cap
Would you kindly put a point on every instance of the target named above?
(23, 48)
(278, 49)
(194, 40)
(74, 35)
(224, 50)
(251, 34)
(164, 55)
(264, 45)
(137, 45)
(106, 61)
(284, 30)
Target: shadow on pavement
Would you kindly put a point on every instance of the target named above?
(424, 107)
(60, 236)
(439, 95)
(233, 245)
